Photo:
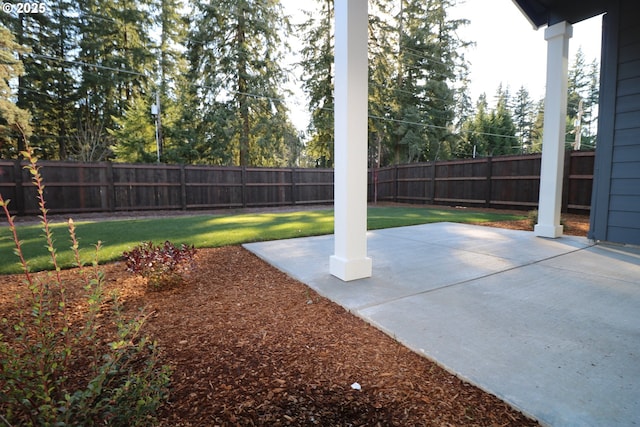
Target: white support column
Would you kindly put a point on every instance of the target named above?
(350, 261)
(554, 128)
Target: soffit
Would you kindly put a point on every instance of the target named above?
(549, 12)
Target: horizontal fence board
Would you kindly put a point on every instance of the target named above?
(499, 182)
(447, 200)
(458, 178)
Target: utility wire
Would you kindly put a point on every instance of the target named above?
(85, 64)
(428, 125)
(272, 99)
(255, 96)
(421, 55)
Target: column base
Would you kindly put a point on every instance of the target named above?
(551, 231)
(347, 270)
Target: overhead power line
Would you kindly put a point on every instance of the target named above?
(85, 64)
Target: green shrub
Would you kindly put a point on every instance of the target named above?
(161, 265)
(58, 370)
(532, 218)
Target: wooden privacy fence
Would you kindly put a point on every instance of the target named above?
(109, 187)
(506, 182)
(498, 182)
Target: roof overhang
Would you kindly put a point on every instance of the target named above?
(550, 12)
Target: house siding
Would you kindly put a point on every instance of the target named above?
(616, 210)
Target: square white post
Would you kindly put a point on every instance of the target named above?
(554, 128)
(350, 261)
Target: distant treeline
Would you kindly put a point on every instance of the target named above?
(205, 83)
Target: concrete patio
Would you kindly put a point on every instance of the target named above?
(551, 326)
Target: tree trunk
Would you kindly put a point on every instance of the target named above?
(62, 125)
(242, 91)
(397, 148)
(22, 140)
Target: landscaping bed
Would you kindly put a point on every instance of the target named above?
(248, 345)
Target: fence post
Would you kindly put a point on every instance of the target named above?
(82, 190)
(111, 188)
(294, 199)
(103, 189)
(433, 181)
(395, 182)
(20, 197)
(183, 187)
(488, 188)
(244, 186)
(568, 158)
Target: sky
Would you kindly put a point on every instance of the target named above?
(507, 49)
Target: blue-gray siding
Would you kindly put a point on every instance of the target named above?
(616, 201)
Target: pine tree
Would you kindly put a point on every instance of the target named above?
(89, 62)
(170, 79)
(523, 118)
(502, 134)
(63, 85)
(135, 133)
(382, 68)
(412, 32)
(475, 132)
(15, 126)
(186, 139)
(116, 50)
(318, 79)
(580, 99)
(236, 51)
(46, 89)
(463, 114)
(425, 96)
(537, 130)
(173, 31)
(590, 117)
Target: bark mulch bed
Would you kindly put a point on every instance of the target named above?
(251, 346)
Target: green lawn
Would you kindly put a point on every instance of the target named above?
(204, 231)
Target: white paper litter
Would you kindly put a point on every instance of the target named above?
(356, 386)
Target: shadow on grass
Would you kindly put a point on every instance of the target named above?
(203, 231)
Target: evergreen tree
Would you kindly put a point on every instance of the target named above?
(592, 99)
(413, 64)
(15, 126)
(537, 130)
(62, 85)
(184, 126)
(441, 92)
(463, 113)
(475, 132)
(502, 131)
(117, 56)
(490, 132)
(135, 134)
(47, 86)
(173, 31)
(236, 51)
(425, 96)
(523, 118)
(382, 66)
(170, 77)
(582, 101)
(318, 80)
(412, 30)
(90, 62)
